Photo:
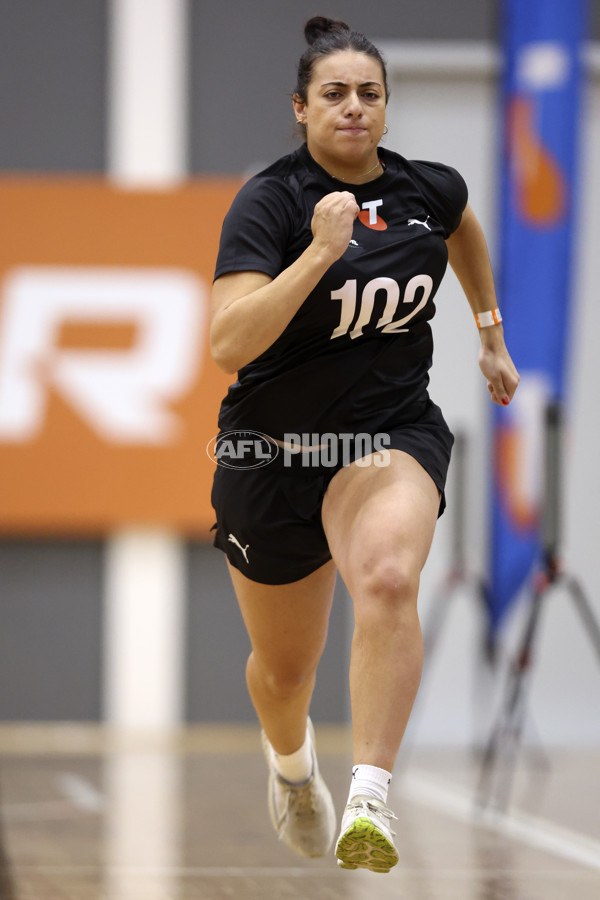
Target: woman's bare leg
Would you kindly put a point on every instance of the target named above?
(380, 523)
(287, 625)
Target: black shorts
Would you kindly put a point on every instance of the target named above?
(269, 518)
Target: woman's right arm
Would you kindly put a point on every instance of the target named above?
(250, 310)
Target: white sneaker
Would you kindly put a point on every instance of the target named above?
(366, 840)
(302, 815)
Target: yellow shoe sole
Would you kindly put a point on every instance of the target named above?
(364, 846)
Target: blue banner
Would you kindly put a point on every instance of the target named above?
(542, 44)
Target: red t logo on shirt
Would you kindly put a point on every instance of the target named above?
(369, 216)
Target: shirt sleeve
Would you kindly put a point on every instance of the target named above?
(445, 191)
(257, 229)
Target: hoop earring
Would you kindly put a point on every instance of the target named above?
(385, 129)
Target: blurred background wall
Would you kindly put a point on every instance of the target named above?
(58, 78)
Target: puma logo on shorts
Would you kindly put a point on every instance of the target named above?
(235, 541)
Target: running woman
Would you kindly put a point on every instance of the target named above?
(328, 266)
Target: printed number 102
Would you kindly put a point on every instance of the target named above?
(348, 294)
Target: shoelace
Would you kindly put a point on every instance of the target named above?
(370, 809)
(302, 797)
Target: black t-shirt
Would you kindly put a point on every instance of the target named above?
(356, 355)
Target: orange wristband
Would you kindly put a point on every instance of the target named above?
(490, 317)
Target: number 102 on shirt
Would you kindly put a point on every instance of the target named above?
(363, 305)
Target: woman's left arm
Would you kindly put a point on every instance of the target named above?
(468, 256)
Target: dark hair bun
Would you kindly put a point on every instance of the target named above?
(319, 26)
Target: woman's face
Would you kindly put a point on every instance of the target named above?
(345, 109)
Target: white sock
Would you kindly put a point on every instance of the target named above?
(295, 767)
(369, 781)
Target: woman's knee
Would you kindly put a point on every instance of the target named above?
(282, 679)
(385, 587)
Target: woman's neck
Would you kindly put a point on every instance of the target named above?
(356, 173)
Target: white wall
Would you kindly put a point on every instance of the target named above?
(444, 107)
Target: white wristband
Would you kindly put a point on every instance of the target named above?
(490, 317)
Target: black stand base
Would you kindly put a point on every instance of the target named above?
(494, 788)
